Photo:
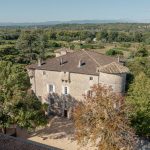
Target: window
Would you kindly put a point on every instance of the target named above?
(91, 78)
(51, 88)
(65, 90)
(44, 72)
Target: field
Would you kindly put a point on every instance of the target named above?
(124, 39)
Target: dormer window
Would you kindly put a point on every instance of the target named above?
(81, 63)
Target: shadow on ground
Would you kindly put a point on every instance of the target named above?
(57, 128)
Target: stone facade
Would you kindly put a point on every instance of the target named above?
(78, 85)
(63, 81)
(116, 81)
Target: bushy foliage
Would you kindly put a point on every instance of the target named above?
(113, 52)
(17, 104)
(138, 97)
(138, 65)
(32, 44)
(141, 51)
(102, 119)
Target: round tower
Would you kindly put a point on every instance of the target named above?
(114, 75)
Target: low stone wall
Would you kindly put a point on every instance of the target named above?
(12, 143)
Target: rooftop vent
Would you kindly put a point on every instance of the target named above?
(61, 61)
(118, 59)
(39, 62)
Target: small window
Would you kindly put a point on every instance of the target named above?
(89, 93)
(91, 78)
(51, 88)
(65, 90)
(44, 72)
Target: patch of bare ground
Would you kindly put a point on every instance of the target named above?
(59, 133)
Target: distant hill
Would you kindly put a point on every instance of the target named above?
(65, 22)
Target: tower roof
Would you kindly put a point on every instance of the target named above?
(113, 68)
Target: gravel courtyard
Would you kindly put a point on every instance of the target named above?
(58, 133)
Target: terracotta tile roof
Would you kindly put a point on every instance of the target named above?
(113, 68)
(90, 61)
(12, 143)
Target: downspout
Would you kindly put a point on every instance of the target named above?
(98, 77)
(34, 83)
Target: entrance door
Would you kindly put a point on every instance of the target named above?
(65, 113)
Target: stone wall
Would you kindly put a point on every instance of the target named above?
(78, 84)
(116, 81)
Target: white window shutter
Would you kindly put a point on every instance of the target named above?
(47, 88)
(54, 88)
(62, 89)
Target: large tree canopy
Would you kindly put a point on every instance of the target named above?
(18, 105)
(102, 119)
(139, 99)
(32, 44)
(138, 65)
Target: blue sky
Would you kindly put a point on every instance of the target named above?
(64, 10)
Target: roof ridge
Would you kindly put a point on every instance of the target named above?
(92, 57)
(108, 64)
(115, 64)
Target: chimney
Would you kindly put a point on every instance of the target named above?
(61, 61)
(39, 62)
(118, 59)
(80, 63)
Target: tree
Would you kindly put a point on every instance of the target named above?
(123, 37)
(17, 104)
(141, 51)
(114, 52)
(103, 35)
(112, 36)
(32, 44)
(102, 119)
(139, 100)
(138, 65)
(138, 37)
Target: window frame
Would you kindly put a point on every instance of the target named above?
(91, 78)
(53, 87)
(64, 90)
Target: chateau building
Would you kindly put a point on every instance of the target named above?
(62, 81)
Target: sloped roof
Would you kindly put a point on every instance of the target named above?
(12, 143)
(91, 60)
(113, 68)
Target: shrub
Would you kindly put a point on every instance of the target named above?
(113, 52)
